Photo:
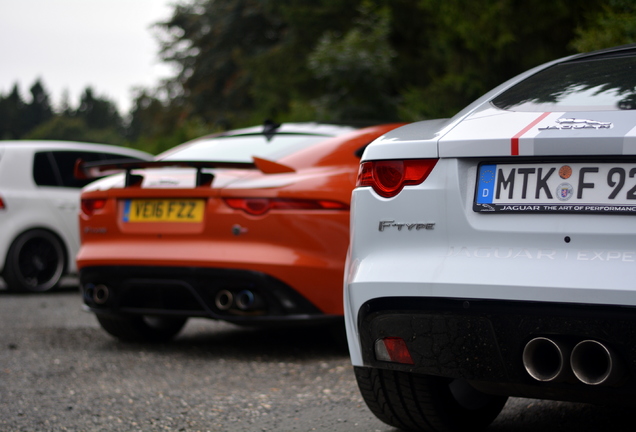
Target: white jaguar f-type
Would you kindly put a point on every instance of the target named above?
(492, 253)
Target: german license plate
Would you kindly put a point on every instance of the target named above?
(163, 210)
(556, 188)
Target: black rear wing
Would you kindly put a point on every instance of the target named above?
(95, 170)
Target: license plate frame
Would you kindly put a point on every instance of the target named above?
(173, 210)
(556, 187)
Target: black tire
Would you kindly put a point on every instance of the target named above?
(36, 262)
(139, 328)
(415, 402)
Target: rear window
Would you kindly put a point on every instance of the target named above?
(56, 168)
(594, 84)
(243, 148)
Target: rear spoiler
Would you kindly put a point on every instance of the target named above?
(98, 169)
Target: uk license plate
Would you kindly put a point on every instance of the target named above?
(556, 188)
(163, 210)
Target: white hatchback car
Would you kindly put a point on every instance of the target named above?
(492, 253)
(39, 207)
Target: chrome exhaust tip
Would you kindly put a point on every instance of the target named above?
(101, 293)
(245, 300)
(594, 363)
(223, 300)
(546, 360)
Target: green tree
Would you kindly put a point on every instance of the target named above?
(211, 42)
(67, 128)
(467, 48)
(356, 68)
(157, 125)
(244, 60)
(283, 84)
(147, 116)
(39, 110)
(98, 113)
(614, 24)
(11, 115)
(94, 120)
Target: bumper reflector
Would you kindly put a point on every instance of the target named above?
(392, 349)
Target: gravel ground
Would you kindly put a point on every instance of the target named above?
(60, 372)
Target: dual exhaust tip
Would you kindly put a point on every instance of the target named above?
(589, 361)
(98, 294)
(244, 300)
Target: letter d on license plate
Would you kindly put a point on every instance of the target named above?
(486, 184)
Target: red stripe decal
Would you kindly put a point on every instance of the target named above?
(514, 142)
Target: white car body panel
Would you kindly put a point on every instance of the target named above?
(29, 206)
(413, 141)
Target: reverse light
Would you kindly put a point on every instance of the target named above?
(260, 206)
(388, 177)
(90, 205)
(393, 349)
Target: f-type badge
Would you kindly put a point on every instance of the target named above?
(573, 123)
(407, 226)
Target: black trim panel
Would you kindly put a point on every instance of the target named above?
(482, 341)
(191, 292)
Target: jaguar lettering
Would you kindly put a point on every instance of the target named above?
(574, 123)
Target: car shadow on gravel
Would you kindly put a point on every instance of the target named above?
(211, 339)
(68, 284)
(531, 415)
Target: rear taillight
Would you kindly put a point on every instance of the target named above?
(90, 205)
(1, 204)
(388, 177)
(260, 206)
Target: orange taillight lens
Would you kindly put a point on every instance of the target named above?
(260, 206)
(388, 177)
(90, 205)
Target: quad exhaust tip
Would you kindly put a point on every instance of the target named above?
(546, 360)
(244, 300)
(594, 363)
(224, 300)
(590, 362)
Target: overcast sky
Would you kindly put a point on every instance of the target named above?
(71, 44)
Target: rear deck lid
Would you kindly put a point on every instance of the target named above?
(493, 132)
(584, 106)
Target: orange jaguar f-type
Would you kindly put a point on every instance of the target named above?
(249, 226)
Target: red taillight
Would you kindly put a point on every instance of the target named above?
(260, 206)
(1, 204)
(393, 349)
(89, 205)
(388, 177)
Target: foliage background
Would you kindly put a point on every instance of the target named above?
(345, 61)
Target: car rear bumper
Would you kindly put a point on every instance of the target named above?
(483, 341)
(237, 296)
(315, 275)
(545, 258)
